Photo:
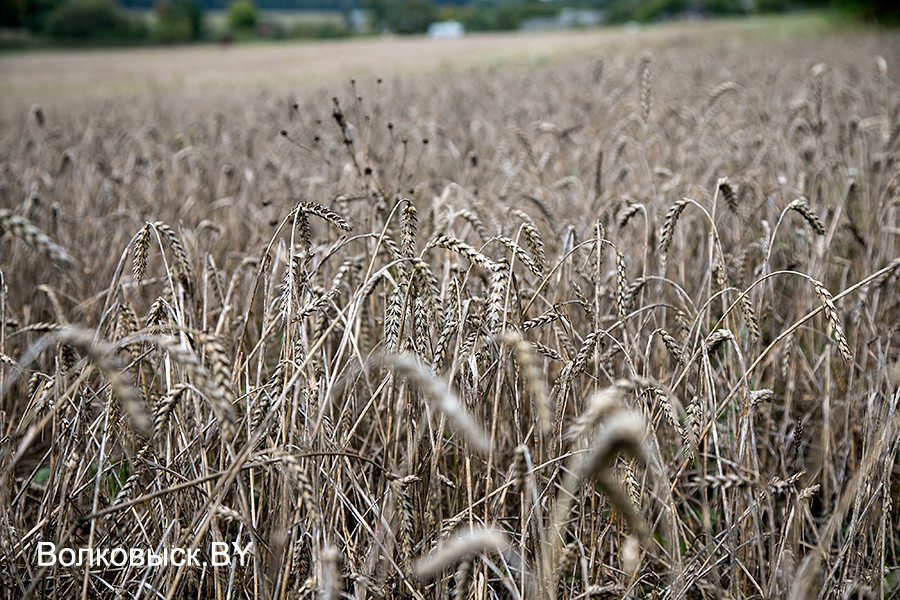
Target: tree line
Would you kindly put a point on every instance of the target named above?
(176, 21)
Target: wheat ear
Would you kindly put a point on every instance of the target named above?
(29, 233)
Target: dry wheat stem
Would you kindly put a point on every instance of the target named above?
(762, 355)
(473, 541)
(439, 392)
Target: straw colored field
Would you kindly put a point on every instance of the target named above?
(590, 315)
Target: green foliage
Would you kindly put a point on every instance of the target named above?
(178, 21)
(509, 17)
(379, 11)
(653, 8)
(318, 31)
(724, 7)
(619, 11)
(504, 16)
(302, 30)
(537, 8)
(883, 12)
(472, 17)
(402, 16)
(769, 6)
(410, 16)
(36, 13)
(83, 20)
(242, 14)
(13, 13)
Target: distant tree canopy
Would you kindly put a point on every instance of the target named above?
(648, 10)
(178, 21)
(402, 16)
(83, 20)
(884, 12)
(242, 14)
(182, 20)
(17, 12)
(13, 13)
(487, 13)
(410, 16)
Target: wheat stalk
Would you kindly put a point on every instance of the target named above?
(460, 247)
(693, 423)
(632, 209)
(165, 407)
(408, 228)
(141, 249)
(476, 223)
(532, 240)
(473, 541)
(534, 379)
(6, 360)
(715, 340)
(407, 528)
(602, 404)
(668, 228)
(323, 212)
(438, 391)
(497, 290)
(728, 192)
(833, 320)
(621, 286)
(645, 87)
(29, 233)
(750, 317)
(119, 382)
(547, 351)
(213, 383)
(181, 259)
(671, 345)
(801, 205)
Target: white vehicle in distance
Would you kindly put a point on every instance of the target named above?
(446, 29)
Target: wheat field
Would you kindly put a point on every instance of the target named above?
(614, 323)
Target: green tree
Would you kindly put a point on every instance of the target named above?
(242, 14)
(653, 8)
(509, 17)
(13, 13)
(379, 9)
(883, 12)
(36, 13)
(619, 11)
(410, 16)
(178, 21)
(473, 18)
(85, 20)
(724, 7)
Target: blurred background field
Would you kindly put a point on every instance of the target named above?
(67, 75)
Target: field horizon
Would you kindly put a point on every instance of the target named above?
(64, 75)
